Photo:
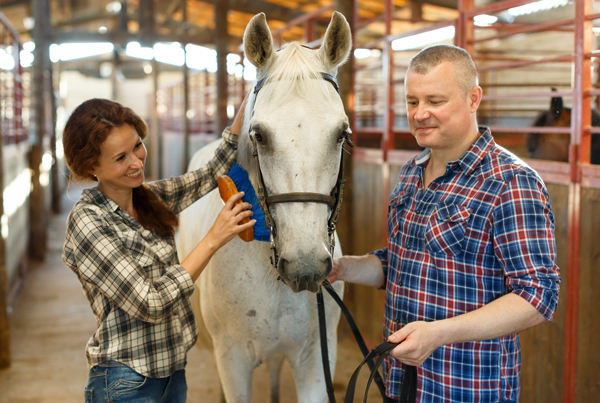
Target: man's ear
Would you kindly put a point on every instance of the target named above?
(475, 95)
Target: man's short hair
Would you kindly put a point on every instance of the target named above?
(432, 56)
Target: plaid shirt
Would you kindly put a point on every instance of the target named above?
(478, 232)
(132, 278)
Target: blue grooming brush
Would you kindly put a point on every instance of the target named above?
(240, 178)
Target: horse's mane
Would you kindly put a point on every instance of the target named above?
(294, 73)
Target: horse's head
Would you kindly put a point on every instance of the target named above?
(299, 124)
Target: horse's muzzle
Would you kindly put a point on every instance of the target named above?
(304, 274)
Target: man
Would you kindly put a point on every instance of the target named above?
(470, 260)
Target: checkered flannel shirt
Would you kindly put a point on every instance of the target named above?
(483, 229)
(132, 278)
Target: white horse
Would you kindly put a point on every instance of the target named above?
(251, 316)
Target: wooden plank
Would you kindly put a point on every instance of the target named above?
(4, 317)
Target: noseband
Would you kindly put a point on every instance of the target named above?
(333, 200)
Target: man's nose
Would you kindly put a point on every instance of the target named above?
(422, 113)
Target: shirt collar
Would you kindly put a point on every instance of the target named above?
(472, 157)
(93, 195)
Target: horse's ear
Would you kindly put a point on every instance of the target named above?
(556, 106)
(337, 42)
(258, 42)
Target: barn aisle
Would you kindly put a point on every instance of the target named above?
(52, 321)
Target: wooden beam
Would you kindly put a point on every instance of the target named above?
(221, 39)
(4, 316)
(38, 213)
(345, 78)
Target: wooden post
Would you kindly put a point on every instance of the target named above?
(186, 100)
(387, 140)
(38, 221)
(54, 173)
(345, 78)
(4, 317)
(221, 40)
(154, 135)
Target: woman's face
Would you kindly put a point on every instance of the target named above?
(122, 160)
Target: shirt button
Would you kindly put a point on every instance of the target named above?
(400, 283)
(447, 216)
(418, 212)
(407, 246)
(397, 321)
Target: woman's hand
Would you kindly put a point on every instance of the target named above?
(236, 127)
(227, 226)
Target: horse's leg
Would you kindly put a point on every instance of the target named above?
(274, 364)
(235, 372)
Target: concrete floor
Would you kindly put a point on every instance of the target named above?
(51, 322)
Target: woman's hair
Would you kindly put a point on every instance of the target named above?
(87, 128)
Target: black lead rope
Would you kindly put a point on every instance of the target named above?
(409, 385)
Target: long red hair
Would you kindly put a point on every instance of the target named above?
(87, 128)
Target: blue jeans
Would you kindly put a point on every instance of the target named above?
(115, 382)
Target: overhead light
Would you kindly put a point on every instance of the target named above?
(106, 69)
(170, 53)
(484, 20)
(361, 53)
(71, 51)
(7, 61)
(26, 58)
(29, 46)
(29, 23)
(147, 68)
(102, 30)
(113, 7)
(200, 57)
(423, 39)
(134, 49)
(536, 6)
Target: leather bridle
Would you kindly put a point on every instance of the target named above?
(333, 200)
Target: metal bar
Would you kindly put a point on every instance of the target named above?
(504, 129)
(533, 28)
(303, 18)
(565, 58)
(387, 140)
(529, 95)
(579, 153)
(496, 7)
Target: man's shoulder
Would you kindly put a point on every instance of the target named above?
(501, 164)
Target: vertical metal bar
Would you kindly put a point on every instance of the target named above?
(186, 97)
(221, 42)
(154, 138)
(387, 140)
(579, 153)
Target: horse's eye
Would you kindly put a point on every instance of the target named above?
(258, 136)
(343, 136)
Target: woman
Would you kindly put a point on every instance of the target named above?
(120, 244)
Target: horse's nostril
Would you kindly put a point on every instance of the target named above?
(328, 265)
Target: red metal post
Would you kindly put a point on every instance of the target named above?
(387, 140)
(579, 153)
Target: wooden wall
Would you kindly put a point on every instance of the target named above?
(542, 346)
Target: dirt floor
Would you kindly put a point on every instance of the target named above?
(51, 322)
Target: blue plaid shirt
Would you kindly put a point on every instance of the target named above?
(483, 229)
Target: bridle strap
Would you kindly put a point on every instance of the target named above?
(325, 76)
(301, 198)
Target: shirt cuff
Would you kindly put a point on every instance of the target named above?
(183, 279)
(544, 300)
(382, 254)
(229, 137)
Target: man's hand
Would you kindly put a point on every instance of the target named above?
(419, 341)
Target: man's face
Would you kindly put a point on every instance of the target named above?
(439, 114)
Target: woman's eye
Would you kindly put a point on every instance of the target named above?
(138, 145)
(121, 158)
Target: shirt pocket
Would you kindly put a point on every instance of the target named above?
(137, 247)
(446, 229)
(397, 205)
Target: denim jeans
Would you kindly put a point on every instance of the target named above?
(115, 382)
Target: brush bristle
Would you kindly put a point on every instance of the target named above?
(240, 177)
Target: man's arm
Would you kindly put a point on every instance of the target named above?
(507, 315)
(365, 270)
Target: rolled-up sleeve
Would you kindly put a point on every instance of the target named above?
(95, 251)
(382, 254)
(181, 192)
(524, 242)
